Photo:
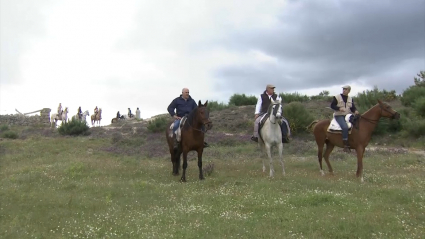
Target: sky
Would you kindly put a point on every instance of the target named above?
(119, 54)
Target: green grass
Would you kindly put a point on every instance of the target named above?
(67, 187)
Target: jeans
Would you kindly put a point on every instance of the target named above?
(176, 125)
(341, 121)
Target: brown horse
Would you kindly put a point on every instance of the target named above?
(192, 138)
(358, 139)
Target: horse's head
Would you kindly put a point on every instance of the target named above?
(275, 108)
(204, 115)
(387, 111)
(66, 110)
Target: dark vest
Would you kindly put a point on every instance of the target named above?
(265, 101)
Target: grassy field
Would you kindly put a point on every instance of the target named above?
(118, 187)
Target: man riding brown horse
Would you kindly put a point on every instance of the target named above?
(179, 107)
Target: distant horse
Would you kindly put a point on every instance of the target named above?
(97, 118)
(62, 117)
(83, 116)
(358, 139)
(271, 134)
(192, 138)
(114, 120)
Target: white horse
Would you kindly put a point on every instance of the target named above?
(83, 117)
(271, 134)
(62, 117)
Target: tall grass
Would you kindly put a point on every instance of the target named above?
(73, 187)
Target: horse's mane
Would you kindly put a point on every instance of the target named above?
(190, 117)
(269, 110)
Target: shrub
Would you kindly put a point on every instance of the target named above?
(298, 117)
(158, 124)
(9, 135)
(240, 100)
(419, 106)
(410, 95)
(293, 97)
(215, 106)
(4, 127)
(74, 127)
(370, 98)
(413, 127)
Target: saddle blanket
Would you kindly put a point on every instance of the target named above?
(335, 128)
(178, 131)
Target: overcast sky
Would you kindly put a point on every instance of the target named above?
(120, 54)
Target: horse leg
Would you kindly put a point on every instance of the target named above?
(360, 151)
(328, 151)
(183, 178)
(269, 154)
(320, 156)
(201, 174)
(280, 148)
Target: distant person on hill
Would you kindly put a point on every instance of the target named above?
(137, 113)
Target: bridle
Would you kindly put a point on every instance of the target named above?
(274, 111)
(205, 123)
(373, 121)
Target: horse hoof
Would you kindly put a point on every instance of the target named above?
(183, 180)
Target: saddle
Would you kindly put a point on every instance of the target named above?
(178, 130)
(286, 132)
(336, 129)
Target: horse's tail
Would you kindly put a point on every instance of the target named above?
(310, 127)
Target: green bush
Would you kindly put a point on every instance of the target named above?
(298, 117)
(413, 127)
(369, 98)
(74, 127)
(215, 106)
(419, 106)
(240, 100)
(293, 97)
(410, 95)
(158, 124)
(9, 135)
(4, 127)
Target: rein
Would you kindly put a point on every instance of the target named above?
(274, 113)
(373, 121)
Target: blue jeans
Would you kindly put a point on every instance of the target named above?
(341, 121)
(176, 125)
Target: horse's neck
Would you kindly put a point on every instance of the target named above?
(368, 121)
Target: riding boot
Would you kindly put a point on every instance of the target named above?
(346, 146)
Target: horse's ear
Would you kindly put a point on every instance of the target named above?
(206, 103)
(199, 103)
(379, 102)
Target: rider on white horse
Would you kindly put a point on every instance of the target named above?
(263, 103)
(79, 113)
(60, 110)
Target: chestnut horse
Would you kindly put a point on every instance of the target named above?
(192, 138)
(358, 139)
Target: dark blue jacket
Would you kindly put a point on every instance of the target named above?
(181, 106)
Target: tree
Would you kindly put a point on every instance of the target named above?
(421, 80)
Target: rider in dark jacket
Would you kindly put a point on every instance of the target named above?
(179, 107)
